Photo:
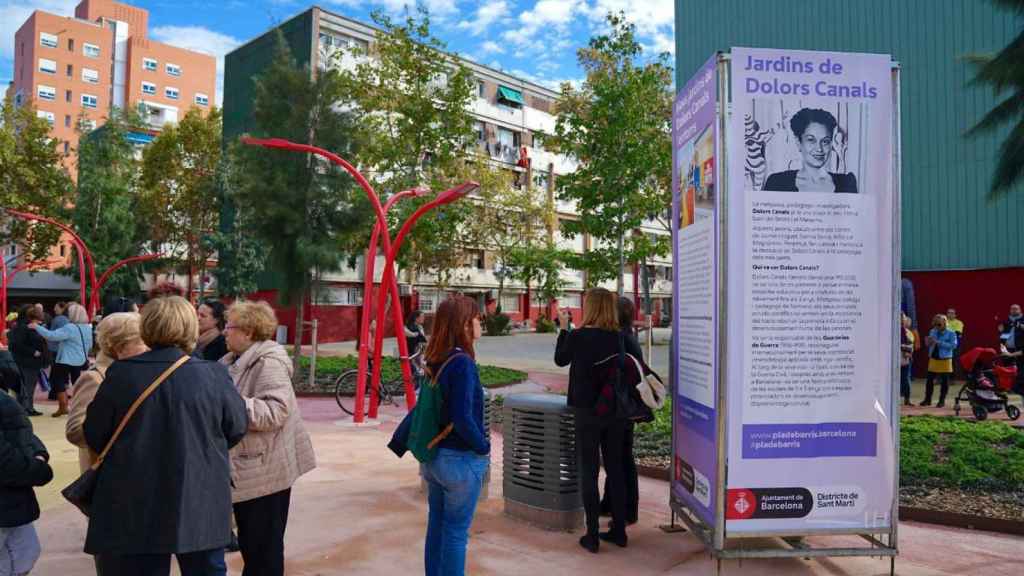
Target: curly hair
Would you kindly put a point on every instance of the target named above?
(256, 318)
(807, 116)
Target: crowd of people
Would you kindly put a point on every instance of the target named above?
(218, 441)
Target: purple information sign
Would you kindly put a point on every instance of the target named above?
(695, 203)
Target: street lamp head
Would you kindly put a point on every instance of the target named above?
(453, 194)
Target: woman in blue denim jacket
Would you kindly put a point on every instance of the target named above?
(941, 343)
(75, 340)
(455, 476)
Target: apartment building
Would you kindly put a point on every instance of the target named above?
(84, 66)
(512, 117)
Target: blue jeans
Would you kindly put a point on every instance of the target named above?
(454, 479)
(205, 563)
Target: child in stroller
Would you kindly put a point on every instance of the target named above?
(988, 384)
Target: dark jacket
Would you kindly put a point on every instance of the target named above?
(165, 486)
(580, 349)
(24, 345)
(786, 182)
(10, 374)
(20, 470)
(463, 407)
(215, 350)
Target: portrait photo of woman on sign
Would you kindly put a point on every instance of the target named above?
(821, 145)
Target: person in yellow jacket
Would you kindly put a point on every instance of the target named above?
(956, 325)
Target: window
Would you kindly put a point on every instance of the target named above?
(67, 120)
(540, 179)
(505, 137)
(89, 101)
(339, 296)
(17, 98)
(429, 299)
(63, 250)
(538, 140)
(173, 69)
(46, 92)
(90, 50)
(67, 146)
(149, 64)
(510, 303)
(481, 133)
(67, 95)
(48, 40)
(569, 300)
(474, 259)
(538, 300)
(70, 70)
(11, 250)
(47, 115)
(202, 99)
(87, 125)
(510, 97)
(71, 44)
(148, 88)
(91, 76)
(481, 89)
(47, 66)
(171, 93)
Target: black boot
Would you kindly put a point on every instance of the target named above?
(590, 542)
(616, 534)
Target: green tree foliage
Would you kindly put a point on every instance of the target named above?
(539, 266)
(107, 207)
(411, 98)
(179, 185)
(617, 126)
(236, 275)
(31, 178)
(302, 209)
(1004, 73)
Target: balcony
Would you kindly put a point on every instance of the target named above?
(157, 115)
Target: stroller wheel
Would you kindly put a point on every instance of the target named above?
(980, 413)
(1012, 412)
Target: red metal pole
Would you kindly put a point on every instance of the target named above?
(446, 197)
(94, 301)
(3, 297)
(364, 321)
(84, 256)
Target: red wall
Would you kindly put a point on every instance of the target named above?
(978, 297)
(336, 323)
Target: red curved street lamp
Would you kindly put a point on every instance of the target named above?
(388, 282)
(84, 256)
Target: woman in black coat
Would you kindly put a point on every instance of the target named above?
(580, 349)
(31, 354)
(165, 486)
(23, 465)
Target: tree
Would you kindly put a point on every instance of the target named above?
(617, 125)
(411, 99)
(179, 183)
(304, 210)
(237, 275)
(1004, 72)
(538, 266)
(107, 207)
(505, 218)
(31, 179)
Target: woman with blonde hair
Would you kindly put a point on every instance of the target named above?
(277, 449)
(165, 485)
(75, 340)
(581, 349)
(941, 344)
(119, 338)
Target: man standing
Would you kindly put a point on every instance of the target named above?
(1011, 330)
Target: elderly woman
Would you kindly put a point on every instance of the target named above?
(119, 338)
(165, 485)
(277, 449)
(814, 130)
(75, 339)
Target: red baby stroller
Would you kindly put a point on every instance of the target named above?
(988, 384)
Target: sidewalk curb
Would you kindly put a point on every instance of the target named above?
(958, 520)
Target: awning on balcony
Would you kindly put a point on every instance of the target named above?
(510, 95)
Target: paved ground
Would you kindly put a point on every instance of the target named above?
(361, 512)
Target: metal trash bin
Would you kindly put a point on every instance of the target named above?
(485, 490)
(540, 471)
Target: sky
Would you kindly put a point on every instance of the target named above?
(532, 39)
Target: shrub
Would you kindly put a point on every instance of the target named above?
(497, 324)
(545, 326)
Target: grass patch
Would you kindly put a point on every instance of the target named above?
(934, 451)
(330, 367)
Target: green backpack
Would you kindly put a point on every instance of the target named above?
(426, 431)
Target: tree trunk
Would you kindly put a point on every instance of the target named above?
(300, 318)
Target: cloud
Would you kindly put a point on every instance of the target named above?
(486, 14)
(199, 39)
(439, 9)
(13, 14)
(491, 47)
(552, 83)
(650, 16)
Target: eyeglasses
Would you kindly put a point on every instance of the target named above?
(230, 327)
